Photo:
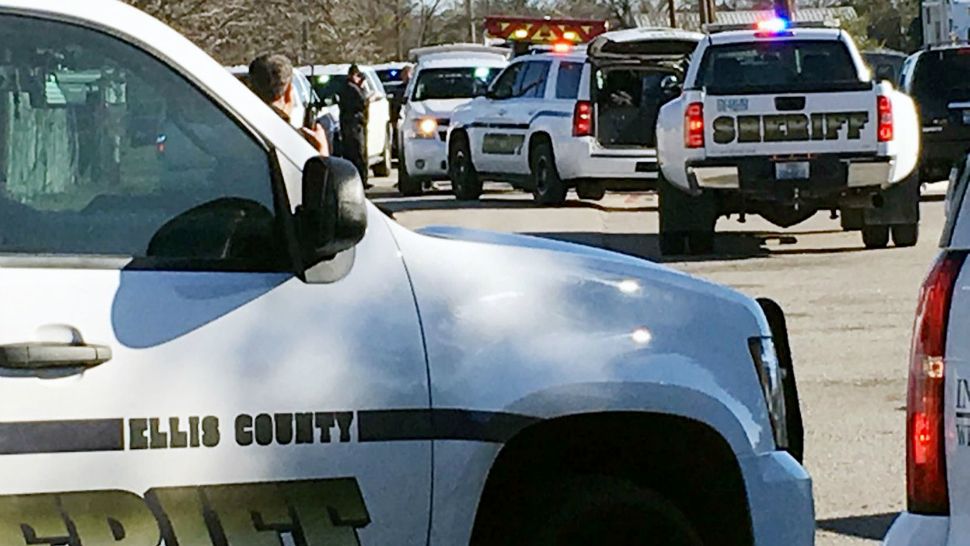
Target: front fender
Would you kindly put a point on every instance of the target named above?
(696, 398)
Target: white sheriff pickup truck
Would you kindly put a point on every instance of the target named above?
(244, 351)
(783, 121)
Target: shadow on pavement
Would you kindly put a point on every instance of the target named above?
(872, 527)
(731, 245)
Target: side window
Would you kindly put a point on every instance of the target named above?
(127, 158)
(567, 84)
(533, 81)
(505, 86)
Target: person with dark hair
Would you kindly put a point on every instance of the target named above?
(353, 121)
(271, 78)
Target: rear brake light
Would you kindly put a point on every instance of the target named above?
(926, 481)
(694, 125)
(884, 109)
(583, 119)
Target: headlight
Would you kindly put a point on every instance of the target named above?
(426, 128)
(772, 378)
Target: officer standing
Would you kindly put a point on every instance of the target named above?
(353, 121)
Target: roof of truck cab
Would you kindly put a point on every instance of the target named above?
(577, 56)
(746, 36)
(331, 69)
(461, 60)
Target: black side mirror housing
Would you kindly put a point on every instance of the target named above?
(333, 216)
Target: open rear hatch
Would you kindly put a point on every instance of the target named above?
(628, 83)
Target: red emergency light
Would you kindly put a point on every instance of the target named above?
(544, 30)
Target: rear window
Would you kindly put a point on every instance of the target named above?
(567, 84)
(453, 83)
(778, 66)
(941, 79)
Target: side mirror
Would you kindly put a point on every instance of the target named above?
(885, 73)
(333, 216)
(671, 85)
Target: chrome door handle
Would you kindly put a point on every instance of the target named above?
(503, 112)
(52, 355)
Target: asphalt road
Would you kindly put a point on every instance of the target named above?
(850, 312)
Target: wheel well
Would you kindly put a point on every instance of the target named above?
(684, 460)
(535, 140)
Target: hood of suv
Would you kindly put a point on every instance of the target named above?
(436, 108)
(511, 320)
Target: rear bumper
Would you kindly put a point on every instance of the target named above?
(584, 159)
(915, 530)
(780, 500)
(827, 175)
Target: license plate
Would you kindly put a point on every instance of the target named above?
(966, 117)
(795, 170)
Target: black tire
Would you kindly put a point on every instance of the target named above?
(875, 237)
(608, 511)
(465, 183)
(408, 186)
(383, 169)
(905, 235)
(701, 242)
(685, 221)
(548, 188)
(593, 191)
(673, 243)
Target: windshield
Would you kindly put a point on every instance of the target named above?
(775, 66)
(453, 83)
(941, 79)
(328, 86)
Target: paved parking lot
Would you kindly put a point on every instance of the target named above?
(850, 312)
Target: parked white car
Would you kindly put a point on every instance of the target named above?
(582, 119)
(328, 80)
(444, 78)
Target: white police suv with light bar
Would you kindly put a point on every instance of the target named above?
(784, 121)
(445, 77)
(938, 402)
(582, 119)
(243, 350)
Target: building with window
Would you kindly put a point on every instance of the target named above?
(946, 21)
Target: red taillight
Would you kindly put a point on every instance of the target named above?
(583, 119)
(884, 108)
(694, 125)
(926, 483)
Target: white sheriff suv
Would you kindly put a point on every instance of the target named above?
(249, 352)
(579, 119)
(784, 121)
(444, 78)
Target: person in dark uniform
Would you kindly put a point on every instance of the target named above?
(353, 121)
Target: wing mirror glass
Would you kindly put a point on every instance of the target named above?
(333, 216)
